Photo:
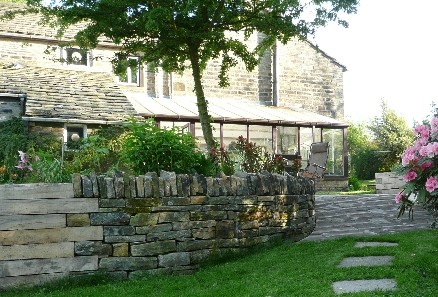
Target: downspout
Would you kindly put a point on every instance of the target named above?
(275, 76)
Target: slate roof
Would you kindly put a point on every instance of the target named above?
(66, 95)
(30, 26)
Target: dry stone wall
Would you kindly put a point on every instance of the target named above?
(128, 225)
(388, 183)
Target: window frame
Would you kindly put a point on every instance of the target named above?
(65, 58)
(129, 74)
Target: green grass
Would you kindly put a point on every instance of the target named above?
(288, 269)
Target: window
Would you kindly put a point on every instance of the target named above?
(131, 74)
(73, 134)
(76, 56)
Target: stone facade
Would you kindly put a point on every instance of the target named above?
(128, 225)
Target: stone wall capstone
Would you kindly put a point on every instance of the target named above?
(130, 225)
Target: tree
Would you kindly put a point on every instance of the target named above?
(188, 33)
(362, 149)
(392, 135)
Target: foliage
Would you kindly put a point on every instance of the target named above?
(222, 160)
(97, 153)
(364, 160)
(250, 155)
(179, 34)
(276, 164)
(392, 136)
(419, 168)
(12, 139)
(147, 148)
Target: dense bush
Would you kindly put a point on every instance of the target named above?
(147, 148)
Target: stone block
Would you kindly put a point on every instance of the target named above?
(87, 187)
(169, 178)
(112, 203)
(78, 219)
(194, 245)
(140, 186)
(48, 206)
(153, 228)
(39, 191)
(16, 222)
(110, 190)
(17, 237)
(179, 235)
(94, 184)
(29, 280)
(124, 238)
(102, 187)
(176, 201)
(204, 233)
(154, 183)
(46, 266)
(173, 217)
(118, 230)
(196, 200)
(153, 248)
(110, 218)
(77, 185)
(183, 185)
(91, 248)
(119, 187)
(225, 229)
(174, 259)
(128, 263)
(120, 250)
(37, 251)
(144, 219)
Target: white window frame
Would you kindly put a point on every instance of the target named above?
(64, 56)
(66, 132)
(129, 76)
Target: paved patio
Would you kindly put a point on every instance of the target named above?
(370, 214)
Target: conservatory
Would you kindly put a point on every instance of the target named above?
(287, 131)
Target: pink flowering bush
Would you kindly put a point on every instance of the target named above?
(419, 167)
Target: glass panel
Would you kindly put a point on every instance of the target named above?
(200, 136)
(231, 133)
(287, 140)
(262, 136)
(335, 162)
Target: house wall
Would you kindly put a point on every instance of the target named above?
(388, 183)
(129, 225)
(308, 77)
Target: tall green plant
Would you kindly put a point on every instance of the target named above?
(148, 148)
(392, 136)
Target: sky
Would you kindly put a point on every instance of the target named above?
(391, 53)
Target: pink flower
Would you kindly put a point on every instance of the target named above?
(434, 125)
(408, 158)
(422, 130)
(431, 184)
(399, 197)
(411, 175)
(426, 165)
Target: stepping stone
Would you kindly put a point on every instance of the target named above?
(364, 285)
(362, 244)
(366, 261)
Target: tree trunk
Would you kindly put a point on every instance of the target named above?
(204, 116)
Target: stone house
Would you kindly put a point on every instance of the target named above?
(293, 98)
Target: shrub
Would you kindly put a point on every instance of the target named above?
(147, 148)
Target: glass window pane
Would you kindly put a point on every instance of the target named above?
(335, 162)
(287, 140)
(231, 133)
(262, 136)
(200, 136)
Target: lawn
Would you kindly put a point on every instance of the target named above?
(287, 269)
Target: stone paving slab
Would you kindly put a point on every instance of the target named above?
(364, 285)
(366, 261)
(362, 244)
